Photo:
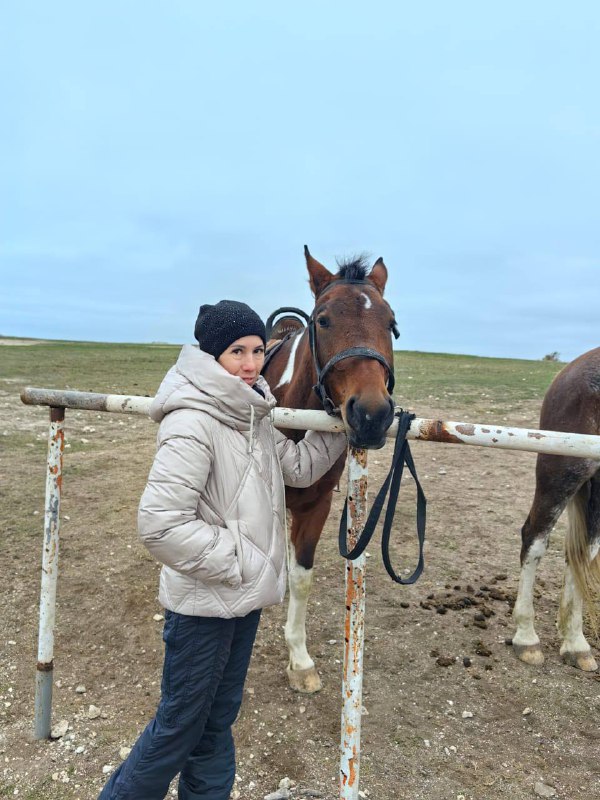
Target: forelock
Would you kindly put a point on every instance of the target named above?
(355, 268)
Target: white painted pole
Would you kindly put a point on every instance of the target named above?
(354, 629)
(45, 662)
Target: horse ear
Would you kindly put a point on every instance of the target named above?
(319, 275)
(379, 274)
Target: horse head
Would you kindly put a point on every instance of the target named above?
(351, 340)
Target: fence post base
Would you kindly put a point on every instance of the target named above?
(43, 702)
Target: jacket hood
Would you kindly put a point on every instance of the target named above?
(198, 381)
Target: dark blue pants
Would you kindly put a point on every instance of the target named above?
(206, 660)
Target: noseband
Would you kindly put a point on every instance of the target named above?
(351, 352)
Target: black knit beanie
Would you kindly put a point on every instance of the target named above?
(219, 325)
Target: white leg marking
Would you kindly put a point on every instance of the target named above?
(570, 619)
(286, 376)
(523, 613)
(300, 581)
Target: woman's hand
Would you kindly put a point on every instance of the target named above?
(221, 564)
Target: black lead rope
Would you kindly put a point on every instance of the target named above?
(402, 456)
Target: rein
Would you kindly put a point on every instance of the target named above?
(402, 456)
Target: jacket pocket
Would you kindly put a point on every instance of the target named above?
(236, 528)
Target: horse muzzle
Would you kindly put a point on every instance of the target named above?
(367, 425)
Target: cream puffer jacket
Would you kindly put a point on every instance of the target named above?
(213, 511)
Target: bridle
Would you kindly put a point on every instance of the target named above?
(402, 454)
(350, 352)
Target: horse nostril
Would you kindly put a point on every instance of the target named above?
(351, 407)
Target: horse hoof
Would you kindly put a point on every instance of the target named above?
(306, 681)
(529, 653)
(584, 661)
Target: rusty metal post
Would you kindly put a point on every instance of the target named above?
(354, 629)
(45, 663)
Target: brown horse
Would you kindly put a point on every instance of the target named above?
(571, 404)
(346, 354)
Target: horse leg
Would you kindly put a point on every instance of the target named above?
(545, 511)
(306, 530)
(583, 544)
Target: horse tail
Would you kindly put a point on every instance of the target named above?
(585, 570)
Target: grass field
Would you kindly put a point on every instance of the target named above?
(455, 380)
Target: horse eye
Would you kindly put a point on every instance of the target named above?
(323, 322)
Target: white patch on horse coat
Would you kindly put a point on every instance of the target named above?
(571, 617)
(368, 302)
(300, 582)
(287, 373)
(523, 613)
(537, 550)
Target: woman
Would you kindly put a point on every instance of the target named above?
(213, 513)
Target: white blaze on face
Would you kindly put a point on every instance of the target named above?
(287, 373)
(367, 300)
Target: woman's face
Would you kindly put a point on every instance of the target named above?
(244, 358)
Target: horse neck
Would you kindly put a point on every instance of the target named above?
(298, 392)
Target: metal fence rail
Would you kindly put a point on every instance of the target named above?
(430, 430)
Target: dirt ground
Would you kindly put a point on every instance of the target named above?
(484, 726)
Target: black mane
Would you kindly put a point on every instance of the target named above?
(353, 269)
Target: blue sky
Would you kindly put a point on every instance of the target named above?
(155, 156)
